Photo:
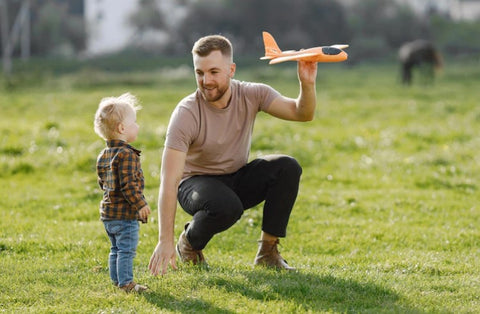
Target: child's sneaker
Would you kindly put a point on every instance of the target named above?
(133, 287)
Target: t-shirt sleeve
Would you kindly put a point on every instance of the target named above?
(266, 94)
(181, 130)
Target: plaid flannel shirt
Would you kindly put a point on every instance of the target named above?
(120, 177)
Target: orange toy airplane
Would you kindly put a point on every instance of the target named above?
(317, 54)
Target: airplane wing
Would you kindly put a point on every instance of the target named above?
(273, 57)
(292, 57)
(340, 46)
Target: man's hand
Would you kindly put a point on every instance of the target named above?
(163, 255)
(302, 108)
(307, 72)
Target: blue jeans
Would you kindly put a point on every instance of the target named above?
(123, 235)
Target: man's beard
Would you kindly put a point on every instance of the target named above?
(216, 95)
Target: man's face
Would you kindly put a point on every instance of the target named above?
(213, 74)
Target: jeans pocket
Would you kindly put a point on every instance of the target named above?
(114, 226)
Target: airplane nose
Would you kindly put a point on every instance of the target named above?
(336, 55)
(331, 51)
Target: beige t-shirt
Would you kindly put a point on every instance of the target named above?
(217, 141)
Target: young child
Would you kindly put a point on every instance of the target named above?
(120, 177)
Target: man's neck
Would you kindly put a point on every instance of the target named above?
(223, 102)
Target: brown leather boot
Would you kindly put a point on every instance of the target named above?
(269, 256)
(134, 287)
(187, 254)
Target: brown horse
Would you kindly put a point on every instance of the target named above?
(419, 53)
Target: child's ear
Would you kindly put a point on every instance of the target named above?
(120, 128)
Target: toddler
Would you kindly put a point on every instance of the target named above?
(120, 177)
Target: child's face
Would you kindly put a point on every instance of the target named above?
(130, 126)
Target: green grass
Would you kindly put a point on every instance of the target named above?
(387, 218)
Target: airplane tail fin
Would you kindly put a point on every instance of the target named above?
(271, 48)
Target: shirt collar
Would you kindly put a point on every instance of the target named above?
(120, 143)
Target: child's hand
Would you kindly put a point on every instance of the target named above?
(143, 213)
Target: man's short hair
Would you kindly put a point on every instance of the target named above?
(205, 45)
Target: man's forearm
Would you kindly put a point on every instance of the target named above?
(307, 101)
(167, 207)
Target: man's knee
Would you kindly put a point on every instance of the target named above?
(225, 208)
(290, 165)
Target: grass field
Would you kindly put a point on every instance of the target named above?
(387, 218)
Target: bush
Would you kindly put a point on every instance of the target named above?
(456, 38)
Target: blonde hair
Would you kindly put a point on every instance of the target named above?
(111, 112)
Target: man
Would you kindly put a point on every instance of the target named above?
(205, 160)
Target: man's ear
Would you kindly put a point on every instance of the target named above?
(233, 67)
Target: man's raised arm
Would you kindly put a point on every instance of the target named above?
(302, 108)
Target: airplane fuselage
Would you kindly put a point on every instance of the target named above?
(316, 54)
(273, 53)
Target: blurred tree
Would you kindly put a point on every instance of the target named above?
(57, 26)
(373, 28)
(149, 24)
(456, 38)
(55, 31)
(379, 27)
(294, 23)
(11, 36)
(203, 17)
(406, 26)
(47, 28)
(147, 16)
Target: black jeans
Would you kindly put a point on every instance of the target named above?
(217, 202)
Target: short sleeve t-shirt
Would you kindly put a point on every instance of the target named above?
(217, 141)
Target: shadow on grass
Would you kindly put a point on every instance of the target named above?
(184, 305)
(308, 292)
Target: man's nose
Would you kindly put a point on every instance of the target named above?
(207, 78)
